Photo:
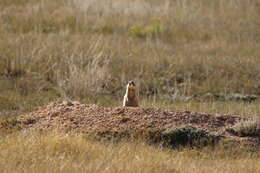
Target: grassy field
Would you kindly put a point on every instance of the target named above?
(185, 55)
(83, 50)
(59, 153)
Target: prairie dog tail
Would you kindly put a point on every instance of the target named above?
(131, 98)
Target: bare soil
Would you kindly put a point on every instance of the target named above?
(77, 117)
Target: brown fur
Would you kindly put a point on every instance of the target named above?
(130, 98)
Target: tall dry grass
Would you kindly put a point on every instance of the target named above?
(214, 107)
(59, 153)
(88, 49)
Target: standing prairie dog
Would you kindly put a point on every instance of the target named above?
(131, 98)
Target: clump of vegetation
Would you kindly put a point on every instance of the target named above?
(230, 97)
(189, 136)
(152, 30)
(111, 136)
(247, 128)
(9, 125)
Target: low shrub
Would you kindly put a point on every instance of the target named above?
(188, 136)
(141, 31)
(246, 128)
(9, 125)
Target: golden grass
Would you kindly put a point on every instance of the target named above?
(170, 47)
(88, 50)
(59, 153)
(214, 107)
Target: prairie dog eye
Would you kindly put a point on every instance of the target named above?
(131, 83)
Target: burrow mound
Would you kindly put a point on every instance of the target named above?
(77, 117)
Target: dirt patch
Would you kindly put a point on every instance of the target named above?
(76, 117)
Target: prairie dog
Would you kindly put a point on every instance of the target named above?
(130, 98)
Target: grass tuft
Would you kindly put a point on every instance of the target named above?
(189, 136)
(247, 128)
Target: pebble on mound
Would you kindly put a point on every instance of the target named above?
(77, 117)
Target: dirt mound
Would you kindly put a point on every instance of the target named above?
(76, 117)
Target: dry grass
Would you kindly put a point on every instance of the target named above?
(168, 47)
(228, 107)
(59, 153)
(88, 50)
(250, 127)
